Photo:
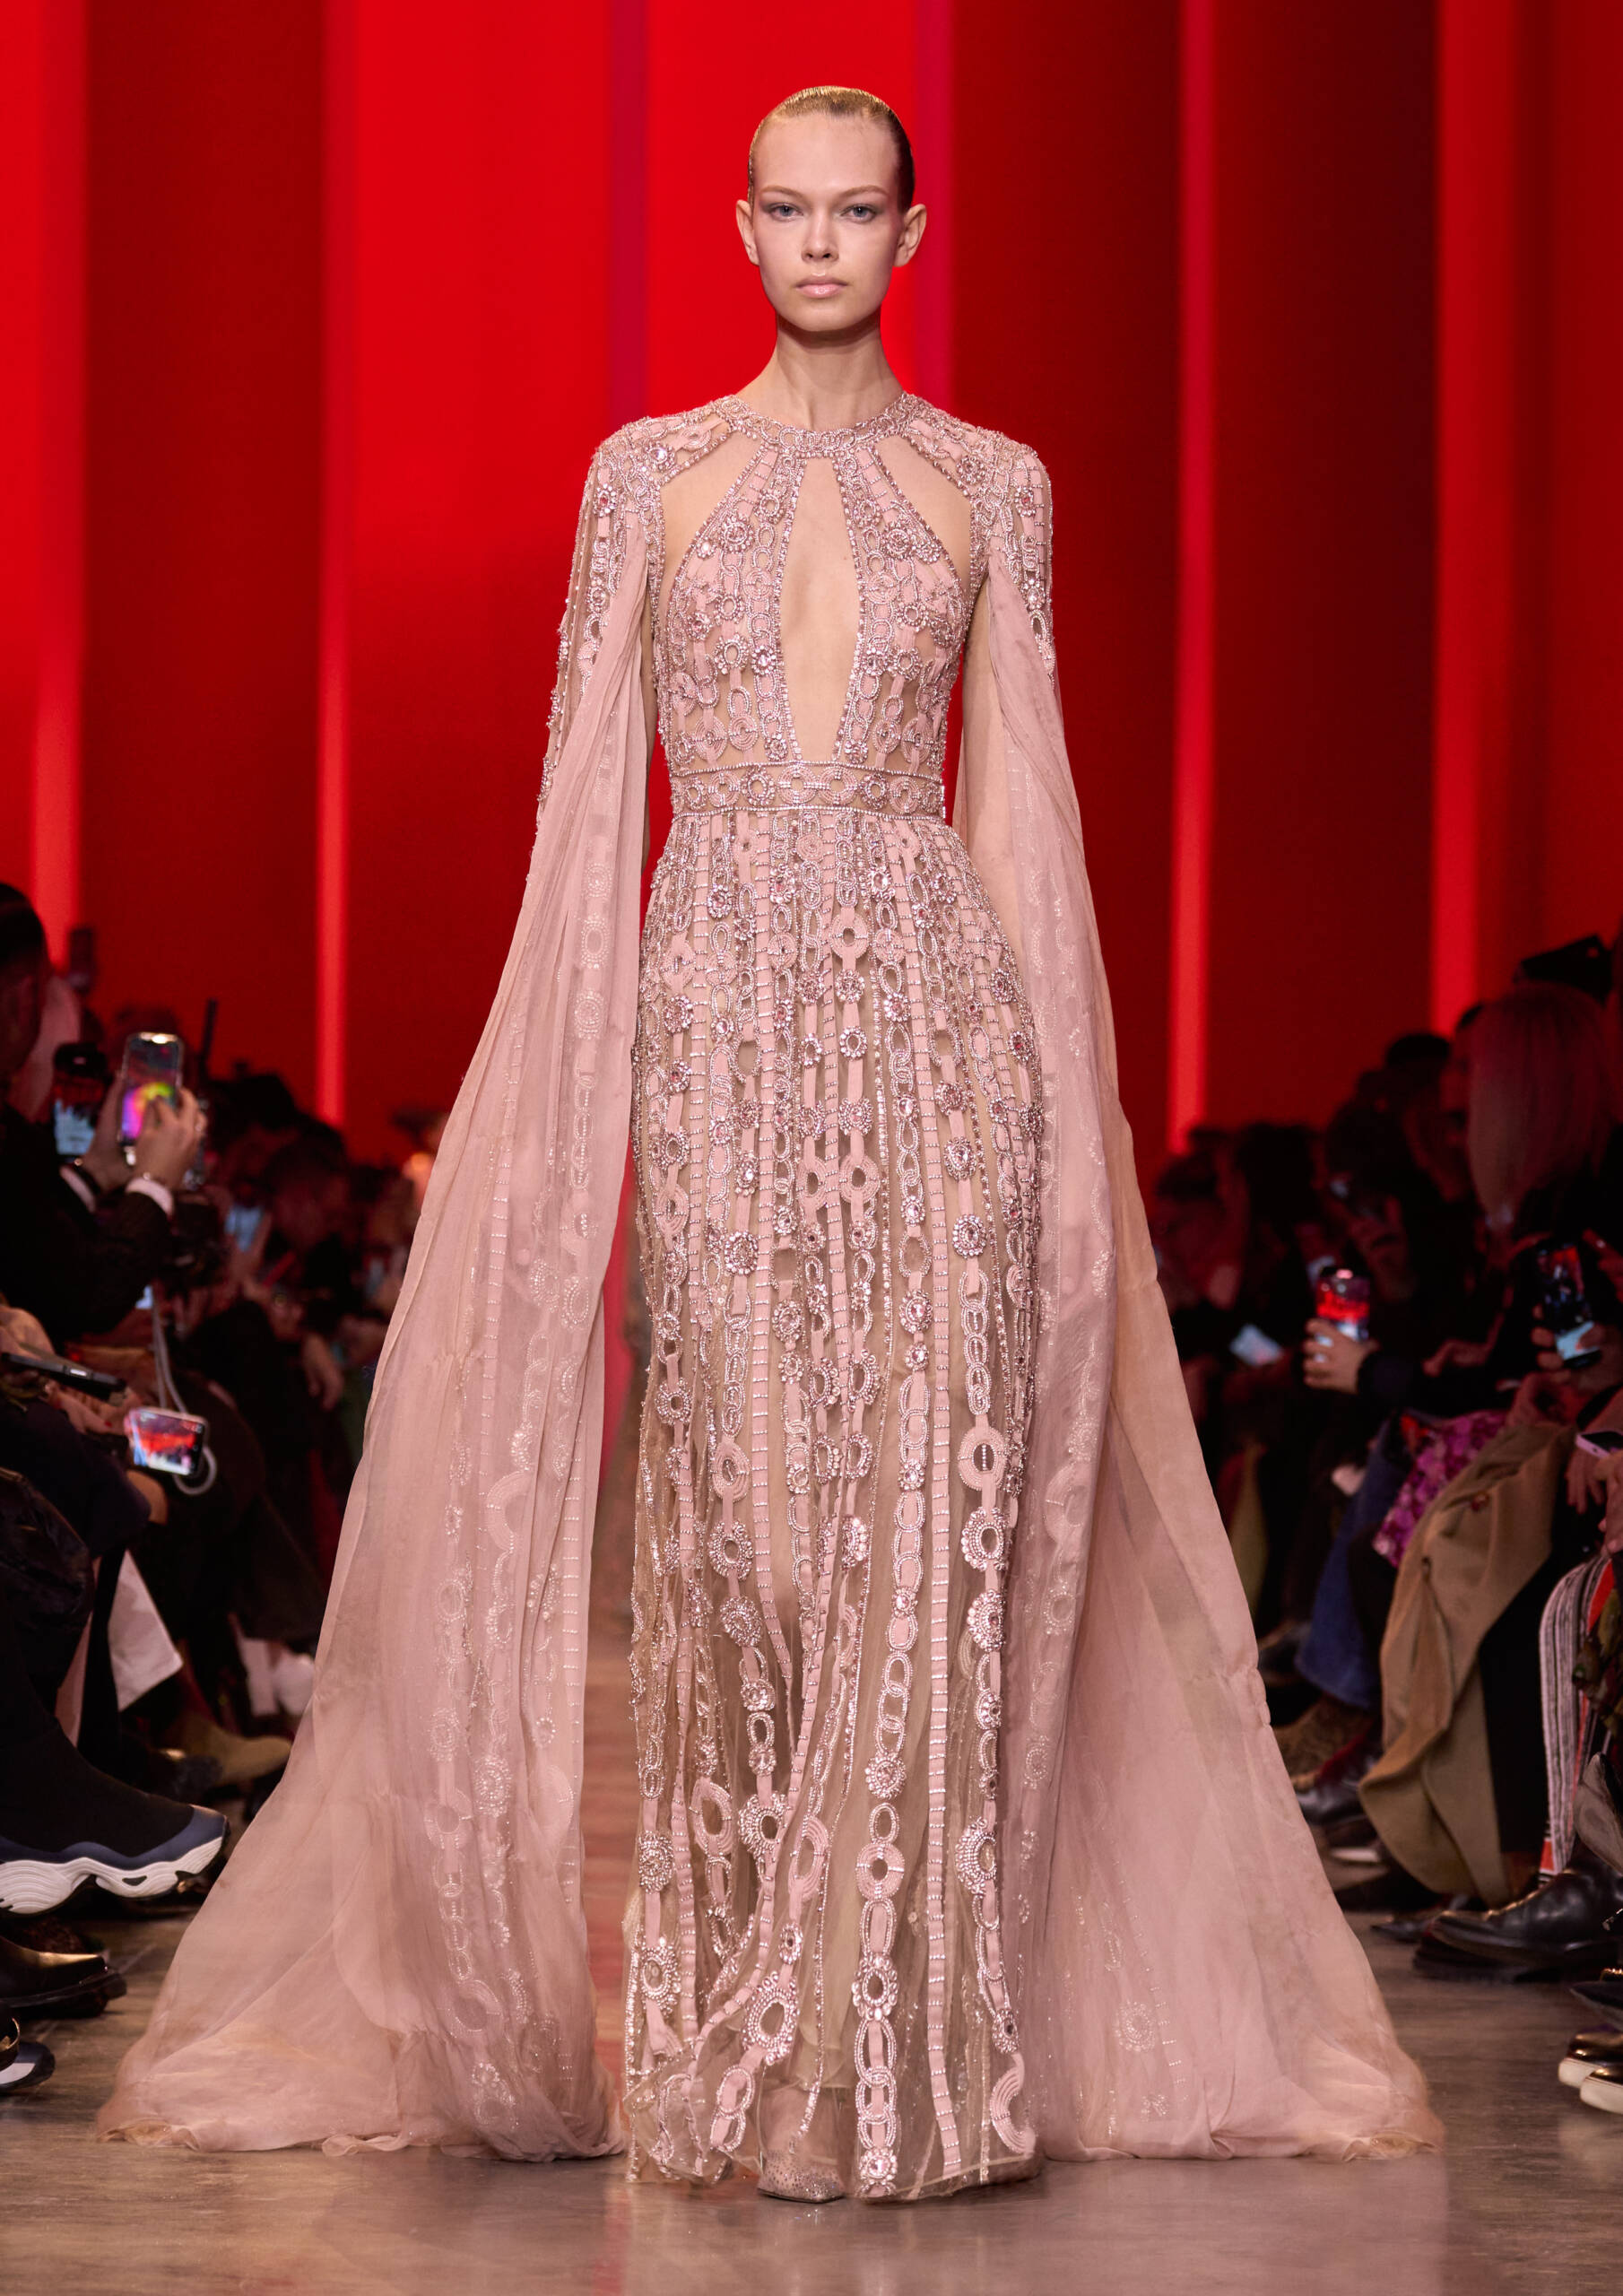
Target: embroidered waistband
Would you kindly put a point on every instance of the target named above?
(772, 788)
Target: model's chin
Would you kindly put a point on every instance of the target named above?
(824, 314)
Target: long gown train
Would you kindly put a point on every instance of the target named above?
(963, 1838)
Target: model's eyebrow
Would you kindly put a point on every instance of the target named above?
(786, 191)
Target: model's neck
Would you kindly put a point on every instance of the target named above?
(824, 382)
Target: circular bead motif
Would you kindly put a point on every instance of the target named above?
(773, 2039)
(740, 1620)
(985, 1539)
(759, 1825)
(975, 1859)
(656, 1861)
(986, 1622)
(874, 1988)
(969, 1235)
(886, 1775)
(673, 1403)
(657, 1974)
(878, 1869)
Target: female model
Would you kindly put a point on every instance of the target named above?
(963, 1836)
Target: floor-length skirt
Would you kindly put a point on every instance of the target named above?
(835, 1122)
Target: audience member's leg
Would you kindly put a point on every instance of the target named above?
(61, 1820)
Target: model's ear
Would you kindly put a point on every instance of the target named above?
(913, 231)
(746, 231)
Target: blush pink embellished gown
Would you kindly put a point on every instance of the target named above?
(964, 1838)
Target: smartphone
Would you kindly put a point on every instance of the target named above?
(101, 1383)
(152, 1069)
(198, 1171)
(1253, 1347)
(243, 1223)
(80, 1077)
(1342, 1300)
(1563, 1306)
(165, 1442)
(1600, 1443)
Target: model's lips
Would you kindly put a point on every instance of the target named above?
(822, 287)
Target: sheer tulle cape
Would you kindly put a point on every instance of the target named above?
(1189, 1985)
(396, 1954)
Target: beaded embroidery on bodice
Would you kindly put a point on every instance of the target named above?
(722, 678)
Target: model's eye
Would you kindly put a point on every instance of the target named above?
(779, 208)
(863, 214)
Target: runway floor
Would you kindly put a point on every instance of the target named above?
(1529, 2196)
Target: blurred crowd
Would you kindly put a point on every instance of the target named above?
(195, 1280)
(1403, 1341)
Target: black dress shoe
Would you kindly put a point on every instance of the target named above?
(32, 1983)
(1604, 1993)
(1434, 1958)
(1334, 1795)
(1392, 1890)
(1586, 2053)
(1409, 1928)
(1558, 1928)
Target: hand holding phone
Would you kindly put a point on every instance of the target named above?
(80, 1077)
(1565, 1318)
(1332, 1356)
(168, 1141)
(165, 1442)
(1594, 1468)
(154, 1065)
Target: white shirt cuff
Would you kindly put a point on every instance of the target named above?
(144, 1185)
(80, 1187)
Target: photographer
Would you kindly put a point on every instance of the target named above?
(77, 1247)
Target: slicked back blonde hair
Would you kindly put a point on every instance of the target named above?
(844, 103)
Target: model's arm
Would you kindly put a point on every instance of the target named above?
(1022, 542)
(600, 549)
(649, 712)
(980, 814)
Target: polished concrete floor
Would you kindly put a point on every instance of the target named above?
(1529, 2196)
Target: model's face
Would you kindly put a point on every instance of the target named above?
(824, 225)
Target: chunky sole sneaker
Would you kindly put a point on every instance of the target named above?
(1606, 2096)
(24, 2064)
(32, 1881)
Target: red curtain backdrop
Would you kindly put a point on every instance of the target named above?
(1318, 947)
(201, 466)
(315, 313)
(42, 199)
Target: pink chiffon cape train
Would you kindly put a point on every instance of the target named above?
(396, 1953)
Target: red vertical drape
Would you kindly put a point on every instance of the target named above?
(201, 469)
(42, 197)
(1322, 573)
(479, 369)
(1066, 336)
